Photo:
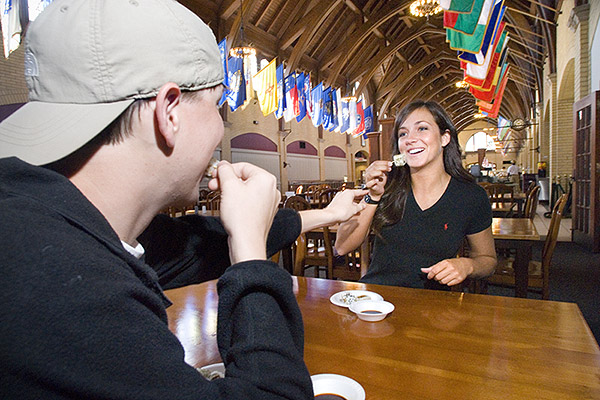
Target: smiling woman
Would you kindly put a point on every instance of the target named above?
(423, 210)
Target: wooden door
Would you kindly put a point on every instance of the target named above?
(586, 196)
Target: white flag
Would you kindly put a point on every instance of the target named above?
(11, 26)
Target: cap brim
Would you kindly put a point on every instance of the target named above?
(40, 133)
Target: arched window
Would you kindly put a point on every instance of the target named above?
(480, 140)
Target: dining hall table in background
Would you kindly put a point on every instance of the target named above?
(434, 345)
(518, 234)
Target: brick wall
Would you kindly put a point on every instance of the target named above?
(12, 81)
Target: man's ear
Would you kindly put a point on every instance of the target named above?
(446, 138)
(166, 112)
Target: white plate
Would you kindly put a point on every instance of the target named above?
(337, 384)
(212, 371)
(337, 297)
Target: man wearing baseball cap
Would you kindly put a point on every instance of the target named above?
(121, 123)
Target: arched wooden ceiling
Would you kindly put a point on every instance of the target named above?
(396, 57)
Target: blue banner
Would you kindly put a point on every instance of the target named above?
(280, 92)
(236, 94)
(301, 97)
(317, 103)
(326, 108)
(223, 51)
(368, 120)
(345, 124)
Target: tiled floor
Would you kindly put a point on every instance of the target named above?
(542, 223)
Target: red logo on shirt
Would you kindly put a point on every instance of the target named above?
(446, 226)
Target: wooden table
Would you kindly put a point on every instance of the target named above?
(518, 234)
(435, 345)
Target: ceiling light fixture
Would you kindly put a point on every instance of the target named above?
(461, 84)
(425, 8)
(242, 50)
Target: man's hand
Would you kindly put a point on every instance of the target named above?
(249, 201)
(345, 204)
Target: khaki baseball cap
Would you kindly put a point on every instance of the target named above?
(87, 61)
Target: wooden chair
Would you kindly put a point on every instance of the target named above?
(531, 203)
(324, 197)
(213, 202)
(314, 249)
(502, 199)
(297, 203)
(539, 280)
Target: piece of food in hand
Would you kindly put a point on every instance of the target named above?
(212, 167)
(399, 160)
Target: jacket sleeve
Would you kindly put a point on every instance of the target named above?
(193, 249)
(260, 332)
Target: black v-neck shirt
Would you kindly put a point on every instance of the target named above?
(424, 237)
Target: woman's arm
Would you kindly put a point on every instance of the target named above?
(353, 232)
(480, 263)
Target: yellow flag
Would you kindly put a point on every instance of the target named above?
(265, 83)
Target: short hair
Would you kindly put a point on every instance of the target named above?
(122, 126)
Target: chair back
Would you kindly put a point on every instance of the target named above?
(532, 184)
(532, 202)
(213, 202)
(551, 237)
(501, 198)
(314, 249)
(297, 203)
(325, 196)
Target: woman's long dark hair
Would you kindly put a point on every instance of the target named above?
(391, 209)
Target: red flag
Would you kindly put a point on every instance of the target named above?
(493, 111)
(360, 119)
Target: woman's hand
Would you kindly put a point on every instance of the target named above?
(451, 271)
(376, 177)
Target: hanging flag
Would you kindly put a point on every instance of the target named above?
(352, 110)
(317, 104)
(467, 22)
(503, 127)
(301, 97)
(490, 40)
(495, 108)
(280, 94)
(481, 71)
(472, 43)
(368, 120)
(486, 95)
(291, 98)
(265, 82)
(334, 110)
(237, 85)
(223, 51)
(497, 63)
(327, 108)
(360, 119)
(11, 26)
(458, 6)
(491, 78)
(249, 72)
(345, 109)
(339, 108)
(308, 96)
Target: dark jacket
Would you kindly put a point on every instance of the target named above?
(82, 318)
